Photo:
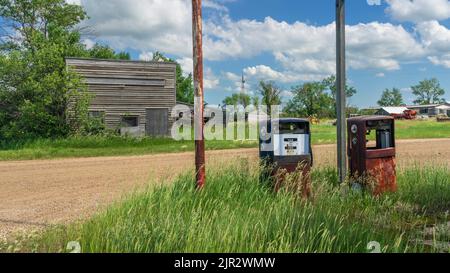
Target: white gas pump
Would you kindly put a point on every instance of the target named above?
(285, 144)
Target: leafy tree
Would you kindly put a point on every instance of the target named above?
(352, 110)
(270, 93)
(330, 84)
(237, 99)
(428, 91)
(39, 96)
(310, 99)
(185, 86)
(256, 101)
(391, 98)
(105, 52)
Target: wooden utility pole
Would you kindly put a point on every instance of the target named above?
(341, 90)
(197, 37)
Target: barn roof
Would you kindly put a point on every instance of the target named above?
(395, 110)
(443, 107)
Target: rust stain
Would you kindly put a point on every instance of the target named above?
(383, 171)
(373, 166)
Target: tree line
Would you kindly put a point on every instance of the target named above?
(308, 99)
(318, 98)
(428, 91)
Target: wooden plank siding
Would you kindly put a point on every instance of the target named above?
(127, 87)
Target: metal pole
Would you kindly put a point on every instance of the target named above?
(340, 90)
(199, 96)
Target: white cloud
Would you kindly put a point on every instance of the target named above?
(187, 65)
(434, 36)
(302, 51)
(380, 75)
(384, 46)
(264, 72)
(142, 25)
(214, 5)
(210, 81)
(443, 60)
(236, 81)
(89, 43)
(146, 56)
(436, 39)
(233, 77)
(310, 49)
(419, 10)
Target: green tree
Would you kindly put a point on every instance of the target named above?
(105, 52)
(237, 99)
(330, 84)
(256, 101)
(185, 86)
(310, 99)
(270, 93)
(428, 91)
(38, 94)
(391, 98)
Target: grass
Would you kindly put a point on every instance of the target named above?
(236, 214)
(94, 146)
(405, 129)
(118, 146)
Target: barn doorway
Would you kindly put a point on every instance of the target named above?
(157, 124)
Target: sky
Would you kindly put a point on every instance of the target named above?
(390, 43)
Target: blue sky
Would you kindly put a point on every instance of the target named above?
(320, 13)
(394, 43)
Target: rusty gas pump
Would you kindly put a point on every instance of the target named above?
(285, 148)
(372, 159)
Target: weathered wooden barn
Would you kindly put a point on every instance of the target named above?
(134, 97)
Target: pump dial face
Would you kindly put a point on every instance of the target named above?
(354, 128)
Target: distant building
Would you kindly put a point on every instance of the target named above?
(133, 97)
(431, 110)
(389, 111)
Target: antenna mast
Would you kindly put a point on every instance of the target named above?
(243, 84)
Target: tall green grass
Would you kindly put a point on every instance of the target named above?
(120, 146)
(236, 213)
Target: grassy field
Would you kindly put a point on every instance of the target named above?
(117, 146)
(236, 214)
(405, 129)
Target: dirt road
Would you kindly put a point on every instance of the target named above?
(35, 194)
